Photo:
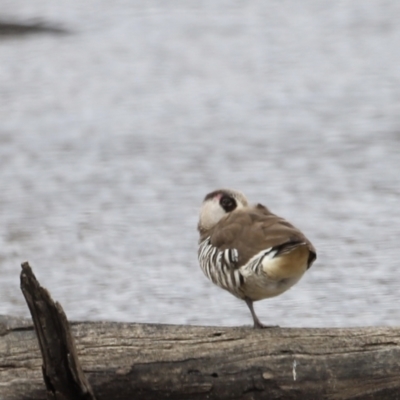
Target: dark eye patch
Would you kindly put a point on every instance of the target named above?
(228, 203)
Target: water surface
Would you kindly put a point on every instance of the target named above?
(111, 136)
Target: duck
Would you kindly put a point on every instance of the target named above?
(249, 251)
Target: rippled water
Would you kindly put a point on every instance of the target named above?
(111, 136)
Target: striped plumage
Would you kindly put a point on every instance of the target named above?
(217, 264)
(249, 251)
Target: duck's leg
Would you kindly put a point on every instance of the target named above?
(257, 323)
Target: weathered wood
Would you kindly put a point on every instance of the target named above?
(147, 361)
(191, 362)
(62, 372)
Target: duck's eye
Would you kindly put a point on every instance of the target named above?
(227, 203)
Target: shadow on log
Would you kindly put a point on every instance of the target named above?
(148, 361)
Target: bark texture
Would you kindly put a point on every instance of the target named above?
(148, 361)
(62, 372)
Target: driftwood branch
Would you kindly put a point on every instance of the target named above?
(146, 361)
(62, 372)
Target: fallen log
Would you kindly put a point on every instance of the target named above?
(148, 361)
(15, 28)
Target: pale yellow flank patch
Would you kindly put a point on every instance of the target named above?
(290, 265)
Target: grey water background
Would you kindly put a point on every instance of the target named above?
(110, 137)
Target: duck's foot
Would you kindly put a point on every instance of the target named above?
(257, 323)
